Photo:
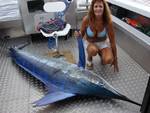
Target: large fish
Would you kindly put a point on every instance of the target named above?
(63, 79)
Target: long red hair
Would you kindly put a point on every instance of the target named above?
(106, 15)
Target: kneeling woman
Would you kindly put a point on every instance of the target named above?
(98, 33)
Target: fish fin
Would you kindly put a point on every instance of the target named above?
(51, 88)
(52, 97)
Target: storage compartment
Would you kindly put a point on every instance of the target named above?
(137, 21)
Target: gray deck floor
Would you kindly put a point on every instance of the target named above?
(18, 89)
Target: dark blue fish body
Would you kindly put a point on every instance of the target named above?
(65, 79)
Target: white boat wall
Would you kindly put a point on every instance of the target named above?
(9, 10)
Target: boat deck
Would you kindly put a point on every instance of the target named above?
(18, 89)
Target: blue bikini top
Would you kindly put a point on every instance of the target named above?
(90, 34)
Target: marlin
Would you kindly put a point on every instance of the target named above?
(63, 79)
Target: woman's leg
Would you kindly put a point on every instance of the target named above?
(106, 55)
(92, 50)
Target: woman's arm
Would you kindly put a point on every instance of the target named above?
(111, 36)
(82, 31)
(83, 26)
(112, 39)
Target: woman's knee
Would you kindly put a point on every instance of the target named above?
(107, 56)
(107, 60)
(92, 50)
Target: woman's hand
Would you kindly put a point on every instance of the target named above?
(77, 34)
(115, 64)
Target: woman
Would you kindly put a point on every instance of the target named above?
(95, 28)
